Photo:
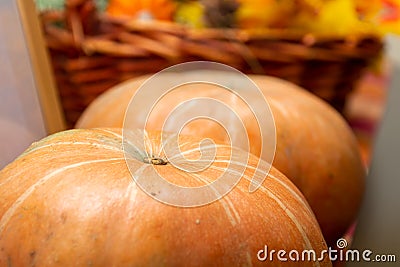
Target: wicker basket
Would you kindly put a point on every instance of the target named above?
(91, 52)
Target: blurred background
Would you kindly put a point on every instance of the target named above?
(58, 56)
(91, 48)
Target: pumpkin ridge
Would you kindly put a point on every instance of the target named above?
(107, 147)
(225, 204)
(283, 207)
(224, 200)
(11, 210)
(291, 216)
(233, 208)
(296, 195)
(186, 152)
(36, 146)
(10, 178)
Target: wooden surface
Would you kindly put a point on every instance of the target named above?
(47, 92)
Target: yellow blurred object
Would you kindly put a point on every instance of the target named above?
(335, 17)
(389, 17)
(142, 9)
(322, 17)
(311, 6)
(190, 13)
(264, 13)
(368, 10)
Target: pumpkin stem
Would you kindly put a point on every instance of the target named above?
(155, 161)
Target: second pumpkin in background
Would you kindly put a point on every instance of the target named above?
(316, 148)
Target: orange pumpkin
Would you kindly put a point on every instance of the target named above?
(315, 147)
(155, 9)
(69, 200)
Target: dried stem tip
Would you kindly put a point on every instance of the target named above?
(155, 161)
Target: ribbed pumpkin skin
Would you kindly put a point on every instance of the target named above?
(315, 147)
(69, 200)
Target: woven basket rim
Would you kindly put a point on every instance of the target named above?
(88, 62)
